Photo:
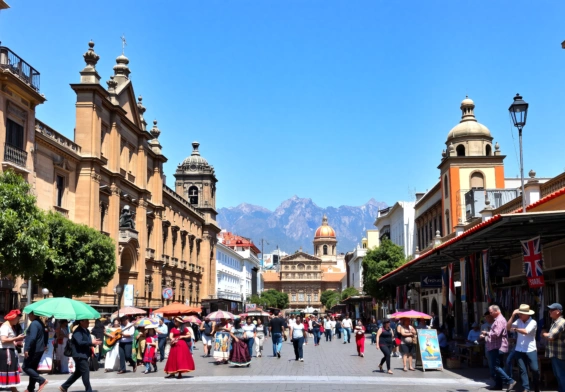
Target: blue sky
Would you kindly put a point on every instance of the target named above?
(339, 101)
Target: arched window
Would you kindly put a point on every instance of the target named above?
(488, 150)
(447, 224)
(460, 150)
(325, 250)
(445, 186)
(477, 181)
(193, 195)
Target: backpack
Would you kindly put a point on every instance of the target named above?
(208, 328)
(68, 351)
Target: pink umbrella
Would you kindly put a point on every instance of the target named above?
(191, 319)
(221, 314)
(410, 314)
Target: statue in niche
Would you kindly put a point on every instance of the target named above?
(126, 218)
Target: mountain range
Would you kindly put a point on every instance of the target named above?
(293, 224)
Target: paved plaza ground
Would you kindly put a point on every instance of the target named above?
(332, 366)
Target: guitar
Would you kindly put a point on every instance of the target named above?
(115, 336)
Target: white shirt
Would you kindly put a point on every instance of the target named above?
(332, 324)
(291, 322)
(6, 330)
(346, 323)
(129, 330)
(526, 343)
(297, 331)
(328, 324)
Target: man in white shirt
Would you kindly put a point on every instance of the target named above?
(328, 328)
(346, 324)
(526, 350)
(125, 345)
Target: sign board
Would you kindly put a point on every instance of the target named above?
(430, 281)
(128, 295)
(428, 347)
(249, 307)
(168, 293)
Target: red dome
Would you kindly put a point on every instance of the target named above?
(325, 230)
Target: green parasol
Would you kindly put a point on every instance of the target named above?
(63, 308)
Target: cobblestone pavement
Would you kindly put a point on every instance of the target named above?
(332, 366)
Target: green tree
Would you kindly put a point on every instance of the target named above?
(379, 262)
(274, 299)
(330, 298)
(23, 231)
(83, 260)
(349, 292)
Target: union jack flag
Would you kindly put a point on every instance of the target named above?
(533, 262)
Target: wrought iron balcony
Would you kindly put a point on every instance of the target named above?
(15, 155)
(15, 64)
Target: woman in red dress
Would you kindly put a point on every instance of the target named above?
(360, 338)
(180, 359)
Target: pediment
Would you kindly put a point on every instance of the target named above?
(300, 256)
(126, 98)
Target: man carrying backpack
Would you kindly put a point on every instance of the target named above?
(207, 334)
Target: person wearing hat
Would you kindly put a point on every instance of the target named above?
(555, 349)
(475, 333)
(9, 369)
(526, 354)
(82, 344)
(180, 359)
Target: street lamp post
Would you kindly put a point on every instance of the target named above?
(519, 111)
(23, 291)
(118, 291)
(45, 292)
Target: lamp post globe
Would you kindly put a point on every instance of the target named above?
(23, 289)
(519, 113)
(45, 292)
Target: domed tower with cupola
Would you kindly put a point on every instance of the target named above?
(196, 182)
(325, 242)
(469, 162)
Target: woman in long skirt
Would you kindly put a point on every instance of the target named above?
(222, 342)
(62, 336)
(239, 355)
(360, 338)
(112, 361)
(9, 367)
(180, 359)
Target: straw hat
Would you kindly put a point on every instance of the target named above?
(179, 319)
(525, 309)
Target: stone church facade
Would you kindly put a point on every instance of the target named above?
(114, 163)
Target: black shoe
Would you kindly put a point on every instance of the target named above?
(278, 354)
(510, 386)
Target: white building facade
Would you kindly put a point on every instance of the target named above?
(229, 273)
(397, 224)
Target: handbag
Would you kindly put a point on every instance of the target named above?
(68, 351)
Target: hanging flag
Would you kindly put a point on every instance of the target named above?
(473, 278)
(444, 286)
(463, 273)
(486, 262)
(451, 297)
(533, 262)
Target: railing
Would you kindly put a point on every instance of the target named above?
(553, 185)
(15, 64)
(56, 136)
(475, 200)
(15, 155)
(181, 199)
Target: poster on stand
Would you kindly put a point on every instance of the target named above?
(429, 351)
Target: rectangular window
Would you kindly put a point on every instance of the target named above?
(293, 297)
(60, 184)
(301, 297)
(14, 134)
(315, 297)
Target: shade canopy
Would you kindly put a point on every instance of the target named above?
(221, 314)
(63, 308)
(191, 319)
(128, 311)
(410, 314)
(177, 309)
(147, 322)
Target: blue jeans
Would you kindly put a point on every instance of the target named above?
(558, 366)
(277, 343)
(346, 335)
(148, 366)
(524, 360)
(298, 343)
(249, 343)
(316, 332)
(328, 333)
(510, 363)
(162, 344)
(373, 338)
(495, 362)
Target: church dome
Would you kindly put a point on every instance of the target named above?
(325, 230)
(468, 126)
(195, 158)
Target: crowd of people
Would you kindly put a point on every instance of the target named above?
(124, 341)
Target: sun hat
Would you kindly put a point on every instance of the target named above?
(525, 309)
